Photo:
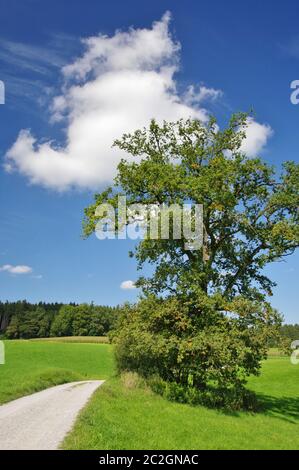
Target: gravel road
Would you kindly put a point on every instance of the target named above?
(41, 421)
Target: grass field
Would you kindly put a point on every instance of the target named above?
(34, 365)
(124, 414)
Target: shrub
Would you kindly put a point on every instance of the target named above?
(196, 357)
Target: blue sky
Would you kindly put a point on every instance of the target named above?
(235, 58)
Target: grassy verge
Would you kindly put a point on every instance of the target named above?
(75, 339)
(124, 414)
(34, 365)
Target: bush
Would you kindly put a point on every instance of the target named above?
(201, 356)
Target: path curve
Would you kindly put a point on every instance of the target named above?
(42, 420)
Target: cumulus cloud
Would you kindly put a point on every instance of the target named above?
(127, 285)
(118, 85)
(20, 269)
(257, 136)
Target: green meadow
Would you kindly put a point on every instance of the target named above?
(34, 365)
(125, 414)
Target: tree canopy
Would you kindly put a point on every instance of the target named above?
(250, 211)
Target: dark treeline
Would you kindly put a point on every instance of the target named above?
(25, 320)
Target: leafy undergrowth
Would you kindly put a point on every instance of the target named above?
(32, 366)
(125, 414)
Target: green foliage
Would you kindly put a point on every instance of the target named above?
(13, 331)
(290, 332)
(63, 322)
(250, 212)
(201, 358)
(31, 324)
(231, 398)
(24, 320)
(212, 324)
(83, 320)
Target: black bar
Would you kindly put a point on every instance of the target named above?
(144, 458)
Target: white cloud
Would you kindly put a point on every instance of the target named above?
(127, 285)
(200, 94)
(257, 136)
(20, 269)
(117, 86)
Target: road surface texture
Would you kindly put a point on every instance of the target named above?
(41, 421)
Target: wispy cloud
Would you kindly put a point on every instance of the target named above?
(30, 70)
(31, 57)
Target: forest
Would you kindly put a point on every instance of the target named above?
(23, 320)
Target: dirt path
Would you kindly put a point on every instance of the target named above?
(41, 421)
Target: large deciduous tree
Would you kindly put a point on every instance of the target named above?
(205, 316)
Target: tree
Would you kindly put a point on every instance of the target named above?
(34, 324)
(63, 322)
(103, 320)
(82, 319)
(91, 320)
(13, 329)
(205, 315)
(250, 215)
(43, 321)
